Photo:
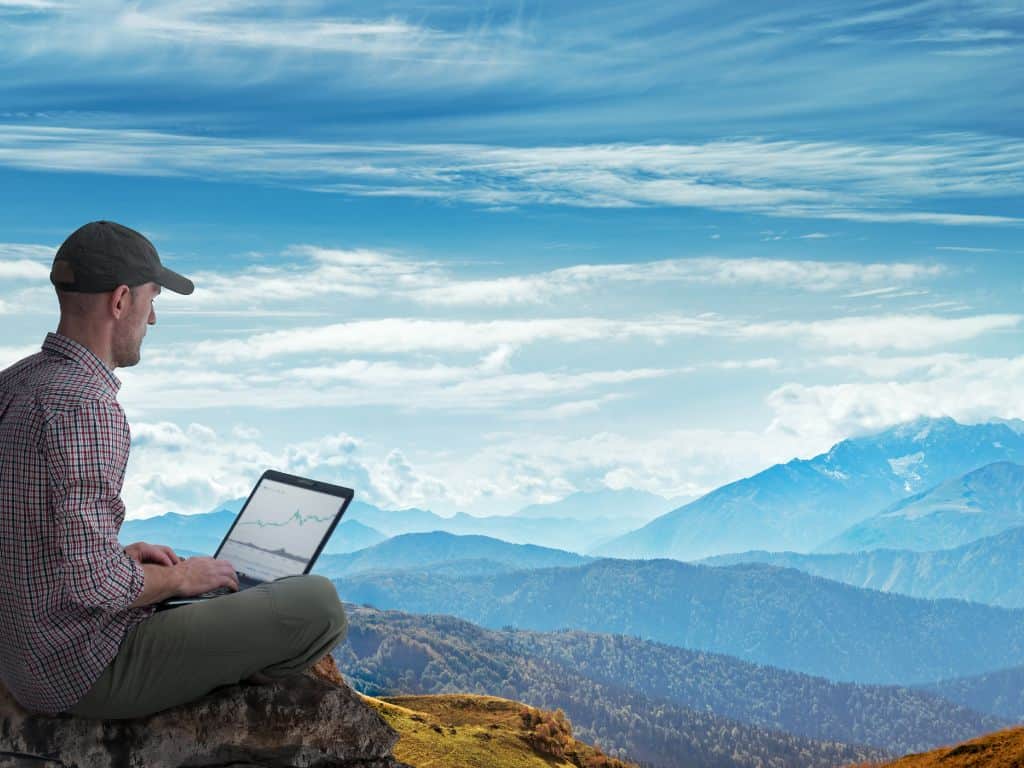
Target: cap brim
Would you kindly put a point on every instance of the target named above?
(171, 280)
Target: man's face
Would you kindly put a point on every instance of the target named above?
(129, 331)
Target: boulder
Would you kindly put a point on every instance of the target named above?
(313, 720)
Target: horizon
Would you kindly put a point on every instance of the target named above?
(479, 258)
(1010, 423)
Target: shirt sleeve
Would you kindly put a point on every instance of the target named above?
(86, 453)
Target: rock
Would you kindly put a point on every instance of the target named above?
(308, 720)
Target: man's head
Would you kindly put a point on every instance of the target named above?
(106, 277)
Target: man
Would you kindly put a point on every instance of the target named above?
(79, 631)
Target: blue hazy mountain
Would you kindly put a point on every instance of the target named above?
(623, 504)
(980, 503)
(457, 554)
(998, 693)
(196, 533)
(202, 533)
(760, 613)
(556, 532)
(985, 571)
(798, 505)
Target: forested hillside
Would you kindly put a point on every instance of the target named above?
(609, 681)
(760, 613)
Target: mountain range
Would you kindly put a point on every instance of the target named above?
(446, 553)
(761, 613)
(986, 571)
(607, 513)
(202, 533)
(962, 509)
(999, 693)
(803, 503)
(389, 650)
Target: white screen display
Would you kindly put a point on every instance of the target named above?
(279, 530)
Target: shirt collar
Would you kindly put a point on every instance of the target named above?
(81, 354)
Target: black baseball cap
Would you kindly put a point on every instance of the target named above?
(102, 255)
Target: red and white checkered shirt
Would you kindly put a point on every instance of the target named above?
(65, 581)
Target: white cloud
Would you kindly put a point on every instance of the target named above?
(802, 274)
(310, 272)
(23, 269)
(11, 354)
(193, 468)
(944, 363)
(238, 43)
(27, 251)
(187, 469)
(830, 180)
(823, 414)
(901, 332)
(359, 383)
(519, 468)
(390, 336)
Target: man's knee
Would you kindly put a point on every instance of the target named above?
(318, 600)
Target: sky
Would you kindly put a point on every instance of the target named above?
(473, 256)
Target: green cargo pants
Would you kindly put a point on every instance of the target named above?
(272, 630)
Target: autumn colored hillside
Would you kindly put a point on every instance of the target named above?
(484, 732)
(1001, 749)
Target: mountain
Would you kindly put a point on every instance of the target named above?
(986, 571)
(960, 510)
(624, 504)
(426, 550)
(1003, 749)
(557, 532)
(466, 657)
(203, 532)
(392, 522)
(385, 653)
(760, 613)
(459, 729)
(198, 533)
(999, 693)
(798, 505)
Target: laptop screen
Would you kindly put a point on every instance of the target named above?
(279, 530)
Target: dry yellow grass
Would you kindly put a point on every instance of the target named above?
(1001, 749)
(463, 731)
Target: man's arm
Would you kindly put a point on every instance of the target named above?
(85, 451)
(162, 581)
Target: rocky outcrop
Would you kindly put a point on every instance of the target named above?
(312, 720)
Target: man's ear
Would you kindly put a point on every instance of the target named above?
(120, 301)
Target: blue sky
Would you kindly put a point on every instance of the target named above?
(474, 256)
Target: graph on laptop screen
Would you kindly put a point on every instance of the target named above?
(279, 530)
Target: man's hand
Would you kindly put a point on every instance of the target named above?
(152, 553)
(201, 574)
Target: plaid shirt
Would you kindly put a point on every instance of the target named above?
(65, 581)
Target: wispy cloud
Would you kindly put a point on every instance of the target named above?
(253, 42)
(828, 180)
(304, 273)
(23, 269)
(878, 332)
(27, 251)
(407, 335)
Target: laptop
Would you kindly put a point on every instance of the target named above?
(279, 532)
